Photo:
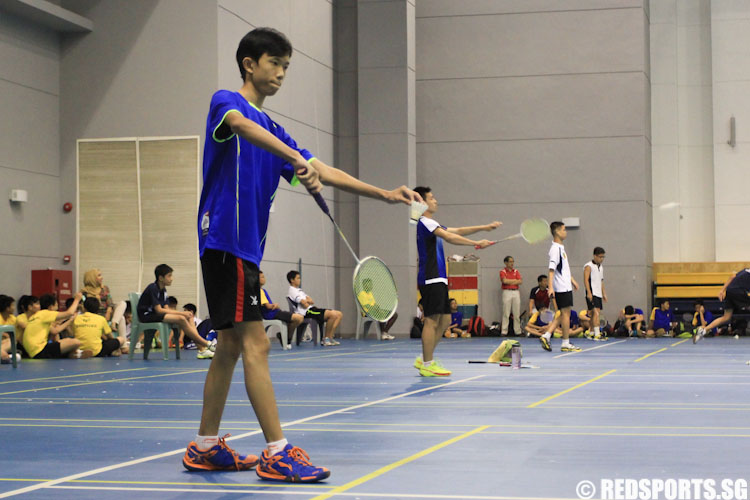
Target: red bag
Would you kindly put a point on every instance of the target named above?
(476, 326)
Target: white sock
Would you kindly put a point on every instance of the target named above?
(597, 332)
(276, 446)
(427, 363)
(565, 342)
(547, 335)
(206, 442)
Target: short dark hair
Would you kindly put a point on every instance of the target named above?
(23, 303)
(507, 258)
(162, 270)
(541, 277)
(599, 251)
(422, 191)
(661, 301)
(69, 302)
(190, 307)
(291, 275)
(47, 300)
(91, 305)
(262, 41)
(555, 226)
(629, 310)
(5, 302)
(172, 301)
(698, 302)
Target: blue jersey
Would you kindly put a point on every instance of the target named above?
(457, 318)
(661, 319)
(239, 181)
(430, 251)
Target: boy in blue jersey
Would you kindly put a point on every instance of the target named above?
(661, 320)
(433, 281)
(702, 316)
(245, 155)
(735, 295)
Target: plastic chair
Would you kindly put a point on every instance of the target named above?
(364, 322)
(269, 323)
(307, 321)
(148, 329)
(11, 331)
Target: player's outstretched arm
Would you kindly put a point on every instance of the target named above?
(457, 239)
(257, 135)
(331, 176)
(467, 230)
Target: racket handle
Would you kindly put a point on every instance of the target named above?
(318, 197)
(477, 247)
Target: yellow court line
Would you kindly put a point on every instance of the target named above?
(679, 342)
(650, 354)
(101, 382)
(534, 405)
(69, 376)
(340, 354)
(403, 461)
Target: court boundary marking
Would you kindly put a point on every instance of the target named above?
(577, 386)
(48, 484)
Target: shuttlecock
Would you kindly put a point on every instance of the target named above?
(736, 337)
(669, 205)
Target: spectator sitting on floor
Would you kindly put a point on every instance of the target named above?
(7, 318)
(576, 328)
(630, 321)
(36, 323)
(93, 286)
(95, 334)
(270, 310)
(457, 319)
(703, 317)
(536, 325)
(539, 296)
(661, 322)
(59, 329)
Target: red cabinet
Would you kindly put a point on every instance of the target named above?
(54, 281)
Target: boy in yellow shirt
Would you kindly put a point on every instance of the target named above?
(36, 330)
(95, 334)
(6, 318)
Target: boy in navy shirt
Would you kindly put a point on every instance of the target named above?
(661, 319)
(245, 155)
(432, 278)
(735, 295)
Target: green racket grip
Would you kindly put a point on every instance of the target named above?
(318, 197)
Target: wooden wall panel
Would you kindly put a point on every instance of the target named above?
(698, 267)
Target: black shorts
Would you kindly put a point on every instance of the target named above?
(736, 299)
(232, 289)
(284, 316)
(435, 299)
(50, 351)
(317, 314)
(564, 299)
(108, 347)
(596, 303)
(153, 317)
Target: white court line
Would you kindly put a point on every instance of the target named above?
(293, 492)
(48, 484)
(591, 348)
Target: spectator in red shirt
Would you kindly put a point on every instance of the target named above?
(539, 296)
(510, 279)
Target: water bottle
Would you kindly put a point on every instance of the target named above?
(515, 357)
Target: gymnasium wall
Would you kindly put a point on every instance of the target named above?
(540, 108)
(29, 152)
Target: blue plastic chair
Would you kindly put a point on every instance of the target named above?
(148, 329)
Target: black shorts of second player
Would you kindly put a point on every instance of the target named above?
(232, 288)
(435, 299)
(596, 303)
(50, 351)
(108, 347)
(153, 317)
(284, 316)
(564, 299)
(736, 299)
(317, 314)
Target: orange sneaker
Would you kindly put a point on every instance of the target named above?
(219, 457)
(291, 465)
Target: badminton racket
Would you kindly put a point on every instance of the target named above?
(373, 284)
(547, 316)
(533, 230)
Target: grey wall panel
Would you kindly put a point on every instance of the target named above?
(15, 273)
(276, 14)
(430, 8)
(391, 50)
(589, 41)
(592, 105)
(382, 111)
(316, 43)
(30, 55)
(345, 37)
(605, 169)
(29, 129)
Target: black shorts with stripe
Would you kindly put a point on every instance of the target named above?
(595, 303)
(232, 288)
(564, 299)
(435, 299)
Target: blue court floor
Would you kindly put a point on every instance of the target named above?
(661, 408)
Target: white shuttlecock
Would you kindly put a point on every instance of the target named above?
(667, 206)
(736, 337)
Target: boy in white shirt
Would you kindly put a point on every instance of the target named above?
(561, 289)
(304, 306)
(593, 280)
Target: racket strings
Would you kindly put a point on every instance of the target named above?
(375, 289)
